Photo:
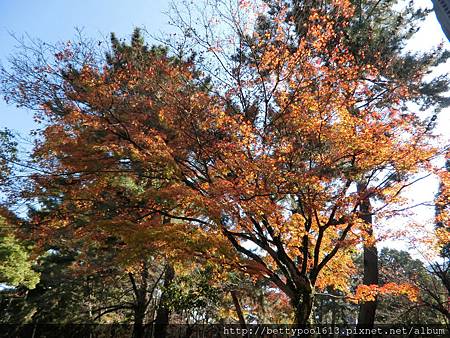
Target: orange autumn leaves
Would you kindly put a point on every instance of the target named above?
(367, 293)
(143, 138)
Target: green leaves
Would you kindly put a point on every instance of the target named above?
(192, 292)
(15, 262)
(8, 154)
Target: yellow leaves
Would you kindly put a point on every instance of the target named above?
(338, 272)
(293, 231)
(405, 289)
(443, 235)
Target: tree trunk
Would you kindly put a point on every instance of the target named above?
(303, 308)
(237, 305)
(366, 316)
(140, 306)
(163, 313)
(140, 311)
(138, 326)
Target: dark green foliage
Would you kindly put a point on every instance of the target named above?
(194, 297)
(331, 307)
(53, 300)
(8, 154)
(66, 296)
(399, 267)
(138, 53)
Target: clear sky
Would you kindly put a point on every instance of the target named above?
(56, 20)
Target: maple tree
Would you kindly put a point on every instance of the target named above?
(274, 155)
(380, 29)
(257, 69)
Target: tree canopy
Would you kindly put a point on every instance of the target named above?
(257, 152)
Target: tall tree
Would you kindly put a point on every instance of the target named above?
(16, 264)
(439, 294)
(381, 29)
(268, 150)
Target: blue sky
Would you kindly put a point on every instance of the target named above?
(56, 20)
